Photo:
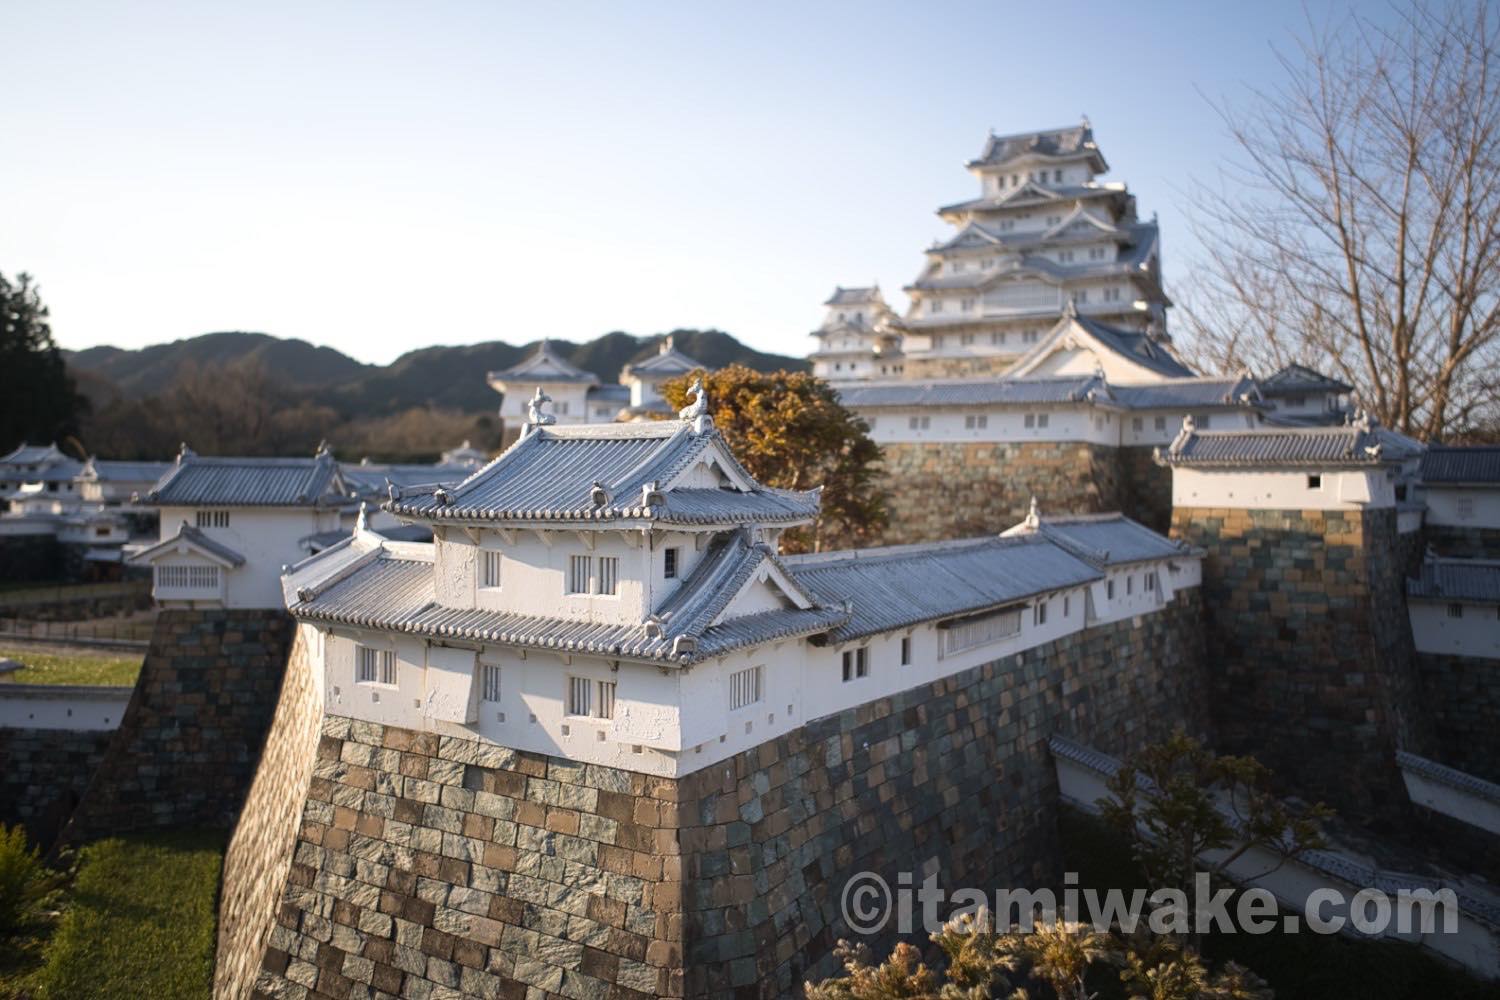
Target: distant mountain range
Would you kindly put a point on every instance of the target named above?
(445, 377)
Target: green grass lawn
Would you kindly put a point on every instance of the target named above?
(138, 921)
(59, 665)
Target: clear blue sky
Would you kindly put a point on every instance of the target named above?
(380, 177)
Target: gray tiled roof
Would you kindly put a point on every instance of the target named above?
(195, 481)
(671, 362)
(371, 477)
(543, 365)
(1457, 580)
(900, 586)
(1137, 347)
(549, 475)
(1108, 539)
(853, 296)
(31, 454)
(398, 594)
(1450, 776)
(1295, 379)
(1299, 447)
(107, 470)
(1066, 192)
(975, 392)
(1050, 142)
(1445, 464)
(186, 532)
(1175, 394)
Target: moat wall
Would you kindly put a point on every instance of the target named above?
(1312, 662)
(43, 775)
(189, 741)
(1463, 698)
(442, 866)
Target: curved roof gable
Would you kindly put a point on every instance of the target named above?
(603, 472)
(544, 365)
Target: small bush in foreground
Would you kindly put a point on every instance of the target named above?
(26, 886)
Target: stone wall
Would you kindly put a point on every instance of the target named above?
(1310, 647)
(431, 866)
(189, 740)
(1146, 492)
(260, 850)
(43, 774)
(918, 368)
(1463, 698)
(959, 489)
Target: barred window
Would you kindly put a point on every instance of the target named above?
(595, 699)
(489, 569)
(213, 518)
(579, 570)
(609, 575)
(744, 687)
(187, 576)
(375, 666)
(489, 677)
(1455, 611)
(669, 563)
(1039, 613)
(978, 631)
(905, 650)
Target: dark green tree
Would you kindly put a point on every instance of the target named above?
(38, 401)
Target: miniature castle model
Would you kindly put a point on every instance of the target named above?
(860, 337)
(612, 594)
(1043, 236)
(578, 397)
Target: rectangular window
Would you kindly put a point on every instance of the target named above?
(1130, 584)
(1030, 420)
(856, 663)
(1315, 482)
(489, 676)
(579, 571)
(997, 338)
(969, 633)
(966, 339)
(976, 421)
(375, 666)
(580, 695)
(1067, 605)
(905, 650)
(669, 563)
(188, 577)
(1039, 614)
(1463, 507)
(967, 305)
(1109, 589)
(1041, 419)
(1455, 611)
(744, 687)
(609, 575)
(593, 699)
(1136, 423)
(937, 306)
(213, 518)
(489, 569)
(1161, 423)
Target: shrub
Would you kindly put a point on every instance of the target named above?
(26, 885)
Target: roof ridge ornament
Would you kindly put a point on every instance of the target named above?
(697, 410)
(1181, 440)
(667, 345)
(598, 495)
(361, 523)
(184, 453)
(651, 495)
(323, 450)
(1033, 515)
(535, 416)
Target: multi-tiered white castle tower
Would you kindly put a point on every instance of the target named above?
(1044, 232)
